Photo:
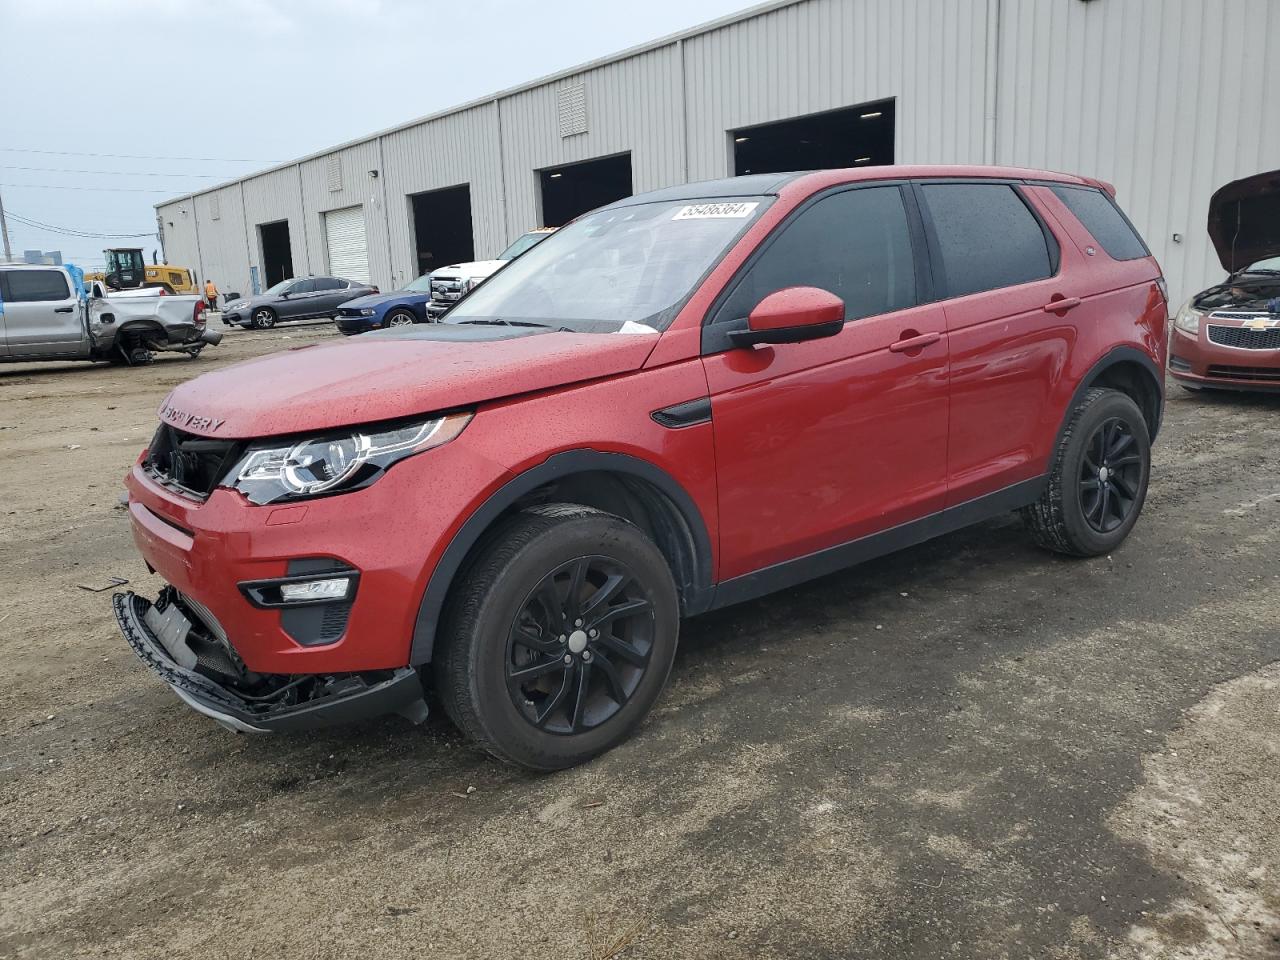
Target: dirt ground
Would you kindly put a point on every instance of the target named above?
(970, 749)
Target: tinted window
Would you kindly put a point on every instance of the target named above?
(330, 283)
(854, 244)
(987, 235)
(1101, 218)
(303, 286)
(37, 285)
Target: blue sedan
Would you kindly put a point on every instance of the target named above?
(399, 308)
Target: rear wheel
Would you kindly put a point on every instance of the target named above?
(399, 318)
(264, 318)
(560, 637)
(1098, 482)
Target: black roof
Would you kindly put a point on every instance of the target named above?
(755, 185)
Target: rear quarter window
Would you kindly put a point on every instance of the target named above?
(1104, 220)
(987, 236)
(33, 286)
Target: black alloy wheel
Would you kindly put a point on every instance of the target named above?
(580, 645)
(1110, 475)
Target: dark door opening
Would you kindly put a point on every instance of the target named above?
(277, 254)
(575, 188)
(859, 136)
(442, 228)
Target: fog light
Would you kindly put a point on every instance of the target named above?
(333, 589)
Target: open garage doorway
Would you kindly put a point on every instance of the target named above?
(575, 188)
(277, 254)
(850, 137)
(442, 231)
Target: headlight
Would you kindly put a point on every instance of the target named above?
(367, 312)
(268, 473)
(471, 283)
(1188, 320)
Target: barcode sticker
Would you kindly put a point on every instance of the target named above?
(716, 211)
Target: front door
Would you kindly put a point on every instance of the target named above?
(824, 442)
(42, 315)
(300, 301)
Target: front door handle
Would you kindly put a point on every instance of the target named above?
(1060, 304)
(63, 309)
(914, 341)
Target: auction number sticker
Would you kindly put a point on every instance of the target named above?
(716, 211)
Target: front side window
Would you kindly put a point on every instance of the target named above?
(629, 264)
(35, 286)
(987, 236)
(1100, 217)
(855, 244)
(522, 244)
(303, 286)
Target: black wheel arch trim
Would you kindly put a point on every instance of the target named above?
(1111, 359)
(696, 591)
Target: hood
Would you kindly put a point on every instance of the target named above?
(390, 374)
(1244, 220)
(378, 299)
(475, 268)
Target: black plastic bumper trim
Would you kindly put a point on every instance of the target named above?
(400, 693)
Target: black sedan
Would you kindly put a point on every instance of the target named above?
(303, 298)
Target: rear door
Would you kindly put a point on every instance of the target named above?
(827, 441)
(330, 291)
(41, 314)
(997, 265)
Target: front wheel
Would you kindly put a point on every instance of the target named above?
(400, 318)
(1098, 481)
(264, 318)
(559, 638)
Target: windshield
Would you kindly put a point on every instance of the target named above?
(522, 244)
(1269, 265)
(634, 264)
(280, 287)
(421, 285)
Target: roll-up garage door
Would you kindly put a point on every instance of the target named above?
(348, 246)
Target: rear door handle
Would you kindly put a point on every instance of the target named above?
(63, 309)
(917, 341)
(1060, 304)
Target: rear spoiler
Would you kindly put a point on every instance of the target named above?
(1108, 188)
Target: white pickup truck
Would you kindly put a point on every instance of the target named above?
(44, 317)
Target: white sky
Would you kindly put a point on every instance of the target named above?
(254, 80)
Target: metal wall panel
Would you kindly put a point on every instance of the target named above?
(268, 197)
(461, 148)
(357, 188)
(221, 252)
(633, 105)
(824, 54)
(1167, 99)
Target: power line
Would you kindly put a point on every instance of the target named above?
(132, 156)
(115, 173)
(72, 231)
(59, 186)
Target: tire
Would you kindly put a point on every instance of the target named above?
(1088, 508)
(503, 597)
(399, 318)
(263, 318)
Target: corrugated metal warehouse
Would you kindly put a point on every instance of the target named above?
(1164, 98)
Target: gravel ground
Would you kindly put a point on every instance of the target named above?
(969, 749)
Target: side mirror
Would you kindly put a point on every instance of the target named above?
(791, 315)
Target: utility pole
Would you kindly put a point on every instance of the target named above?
(4, 229)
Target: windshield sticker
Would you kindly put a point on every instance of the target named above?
(716, 211)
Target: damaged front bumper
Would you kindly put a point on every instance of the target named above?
(173, 640)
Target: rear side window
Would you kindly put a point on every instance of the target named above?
(37, 285)
(1103, 219)
(854, 244)
(987, 236)
(329, 283)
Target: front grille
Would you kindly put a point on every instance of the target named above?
(1244, 338)
(1245, 373)
(348, 312)
(188, 463)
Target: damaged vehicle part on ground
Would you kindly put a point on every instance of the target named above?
(1228, 336)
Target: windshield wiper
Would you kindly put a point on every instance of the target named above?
(499, 322)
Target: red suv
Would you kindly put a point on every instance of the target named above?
(687, 399)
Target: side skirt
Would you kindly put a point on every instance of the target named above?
(791, 572)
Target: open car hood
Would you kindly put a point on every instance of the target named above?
(390, 374)
(1244, 220)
